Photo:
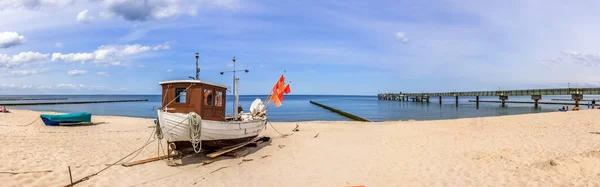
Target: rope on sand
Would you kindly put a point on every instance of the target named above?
(115, 163)
(30, 123)
(282, 135)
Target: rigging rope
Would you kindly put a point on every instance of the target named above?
(164, 107)
(195, 131)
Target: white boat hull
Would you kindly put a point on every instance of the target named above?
(176, 128)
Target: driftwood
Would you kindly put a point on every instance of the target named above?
(231, 148)
(147, 160)
(24, 172)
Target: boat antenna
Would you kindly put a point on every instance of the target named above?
(235, 91)
(197, 69)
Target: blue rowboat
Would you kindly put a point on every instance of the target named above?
(56, 119)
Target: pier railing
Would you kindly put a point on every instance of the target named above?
(552, 91)
(536, 94)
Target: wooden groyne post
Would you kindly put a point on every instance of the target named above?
(346, 114)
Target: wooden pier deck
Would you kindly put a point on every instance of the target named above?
(527, 102)
(536, 94)
(73, 102)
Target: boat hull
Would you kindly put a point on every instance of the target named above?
(56, 119)
(213, 134)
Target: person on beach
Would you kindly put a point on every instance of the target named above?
(567, 108)
(593, 103)
(240, 111)
(589, 105)
(562, 109)
(576, 108)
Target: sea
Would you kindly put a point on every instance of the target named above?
(298, 108)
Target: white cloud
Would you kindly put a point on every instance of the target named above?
(569, 56)
(58, 45)
(143, 10)
(106, 15)
(83, 17)
(161, 47)
(33, 4)
(192, 11)
(23, 57)
(102, 73)
(11, 39)
(108, 55)
(69, 86)
(169, 70)
(400, 36)
(24, 73)
(44, 87)
(15, 86)
(76, 72)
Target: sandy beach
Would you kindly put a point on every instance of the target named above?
(557, 148)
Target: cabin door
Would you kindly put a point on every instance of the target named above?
(213, 104)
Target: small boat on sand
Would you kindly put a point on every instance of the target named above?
(71, 118)
(192, 115)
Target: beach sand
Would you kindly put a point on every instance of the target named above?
(558, 148)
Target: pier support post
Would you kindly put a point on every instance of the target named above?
(426, 98)
(440, 99)
(477, 102)
(577, 98)
(536, 98)
(503, 98)
(456, 100)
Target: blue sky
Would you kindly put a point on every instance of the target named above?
(326, 47)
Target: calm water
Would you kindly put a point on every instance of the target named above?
(298, 108)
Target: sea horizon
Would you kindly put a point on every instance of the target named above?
(297, 107)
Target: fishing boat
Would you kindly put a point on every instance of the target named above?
(58, 119)
(192, 115)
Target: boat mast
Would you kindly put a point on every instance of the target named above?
(235, 92)
(197, 69)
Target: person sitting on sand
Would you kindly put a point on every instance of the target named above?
(567, 108)
(576, 108)
(562, 109)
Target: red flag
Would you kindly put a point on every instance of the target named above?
(275, 99)
(280, 95)
(277, 85)
(287, 90)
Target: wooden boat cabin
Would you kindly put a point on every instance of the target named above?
(205, 99)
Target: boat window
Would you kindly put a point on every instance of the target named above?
(219, 98)
(182, 95)
(208, 97)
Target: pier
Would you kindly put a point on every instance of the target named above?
(73, 102)
(536, 95)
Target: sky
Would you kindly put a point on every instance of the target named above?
(324, 47)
